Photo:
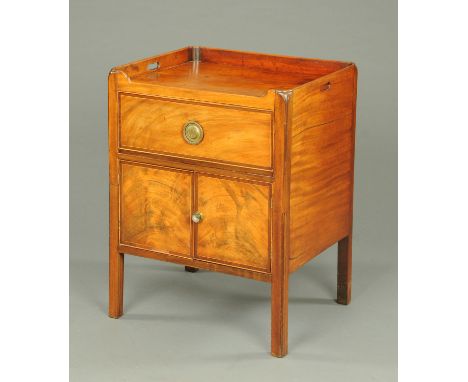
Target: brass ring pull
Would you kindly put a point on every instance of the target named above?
(192, 132)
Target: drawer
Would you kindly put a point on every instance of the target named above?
(235, 229)
(228, 134)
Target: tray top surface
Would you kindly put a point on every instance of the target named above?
(216, 77)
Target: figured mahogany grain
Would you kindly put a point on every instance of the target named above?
(230, 134)
(322, 158)
(273, 176)
(320, 188)
(308, 68)
(324, 100)
(202, 166)
(156, 209)
(201, 264)
(165, 60)
(224, 78)
(236, 226)
(127, 85)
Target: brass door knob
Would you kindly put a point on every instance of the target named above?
(197, 217)
(192, 132)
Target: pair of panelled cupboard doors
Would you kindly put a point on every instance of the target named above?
(234, 162)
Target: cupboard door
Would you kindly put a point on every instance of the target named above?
(235, 224)
(155, 207)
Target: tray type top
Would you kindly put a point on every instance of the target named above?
(226, 71)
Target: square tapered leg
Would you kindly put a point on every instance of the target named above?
(344, 270)
(279, 316)
(116, 278)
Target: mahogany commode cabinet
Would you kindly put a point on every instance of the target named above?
(233, 162)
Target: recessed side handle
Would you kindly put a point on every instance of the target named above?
(325, 87)
(152, 66)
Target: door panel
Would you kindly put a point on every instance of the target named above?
(155, 209)
(235, 226)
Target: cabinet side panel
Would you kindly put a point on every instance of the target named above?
(322, 158)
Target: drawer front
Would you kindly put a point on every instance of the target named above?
(155, 209)
(235, 228)
(229, 134)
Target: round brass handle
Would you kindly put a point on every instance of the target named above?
(197, 217)
(192, 132)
